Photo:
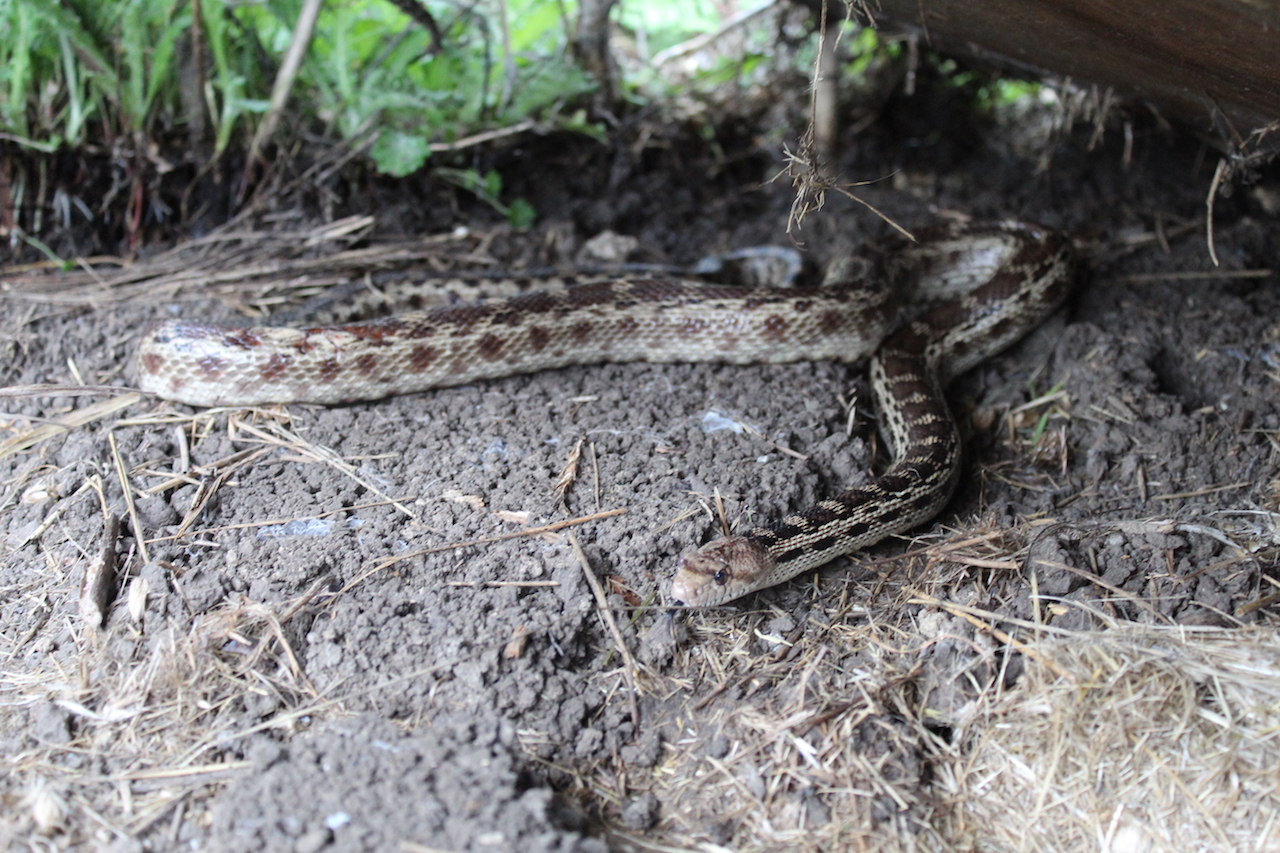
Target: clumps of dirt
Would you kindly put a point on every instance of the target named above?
(373, 787)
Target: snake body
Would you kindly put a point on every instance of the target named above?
(995, 283)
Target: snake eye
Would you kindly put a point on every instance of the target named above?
(721, 577)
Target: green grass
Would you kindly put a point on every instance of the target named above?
(141, 77)
(77, 71)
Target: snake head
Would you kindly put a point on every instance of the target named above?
(721, 571)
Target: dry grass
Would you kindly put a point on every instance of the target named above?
(150, 713)
(1132, 739)
(1136, 738)
(1155, 738)
(870, 737)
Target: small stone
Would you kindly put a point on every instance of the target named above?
(50, 723)
(717, 747)
(588, 743)
(313, 841)
(641, 812)
(817, 813)
(645, 753)
(263, 752)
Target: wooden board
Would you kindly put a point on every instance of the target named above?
(1199, 60)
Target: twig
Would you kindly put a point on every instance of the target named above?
(273, 522)
(284, 83)
(703, 40)
(993, 631)
(629, 670)
(1093, 578)
(1207, 490)
(54, 390)
(485, 136)
(100, 576)
(210, 485)
(1196, 275)
(568, 475)
(532, 531)
(278, 435)
(62, 423)
(134, 522)
(1218, 175)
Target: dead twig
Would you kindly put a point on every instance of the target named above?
(532, 531)
(134, 522)
(602, 602)
(100, 577)
(569, 474)
(302, 32)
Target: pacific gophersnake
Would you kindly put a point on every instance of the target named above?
(995, 282)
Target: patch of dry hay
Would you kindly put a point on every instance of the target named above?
(782, 744)
(138, 729)
(1133, 740)
(1155, 739)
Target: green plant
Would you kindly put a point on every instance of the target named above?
(488, 188)
(375, 74)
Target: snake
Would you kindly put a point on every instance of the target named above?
(974, 291)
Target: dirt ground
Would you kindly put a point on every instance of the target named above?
(341, 628)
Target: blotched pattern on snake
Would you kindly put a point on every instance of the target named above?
(988, 286)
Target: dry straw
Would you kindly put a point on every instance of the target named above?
(1132, 739)
(1158, 738)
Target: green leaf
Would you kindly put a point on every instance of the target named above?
(399, 154)
(521, 214)
(162, 73)
(492, 186)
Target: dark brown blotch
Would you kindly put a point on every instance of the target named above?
(924, 501)
(422, 358)
(275, 366)
(791, 554)
(329, 368)
(856, 530)
(1000, 328)
(826, 543)
(539, 337)
(536, 302)
(775, 327)
(831, 321)
(460, 318)
(821, 515)
(211, 366)
(590, 294)
(379, 333)
(151, 363)
(490, 347)
(241, 338)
